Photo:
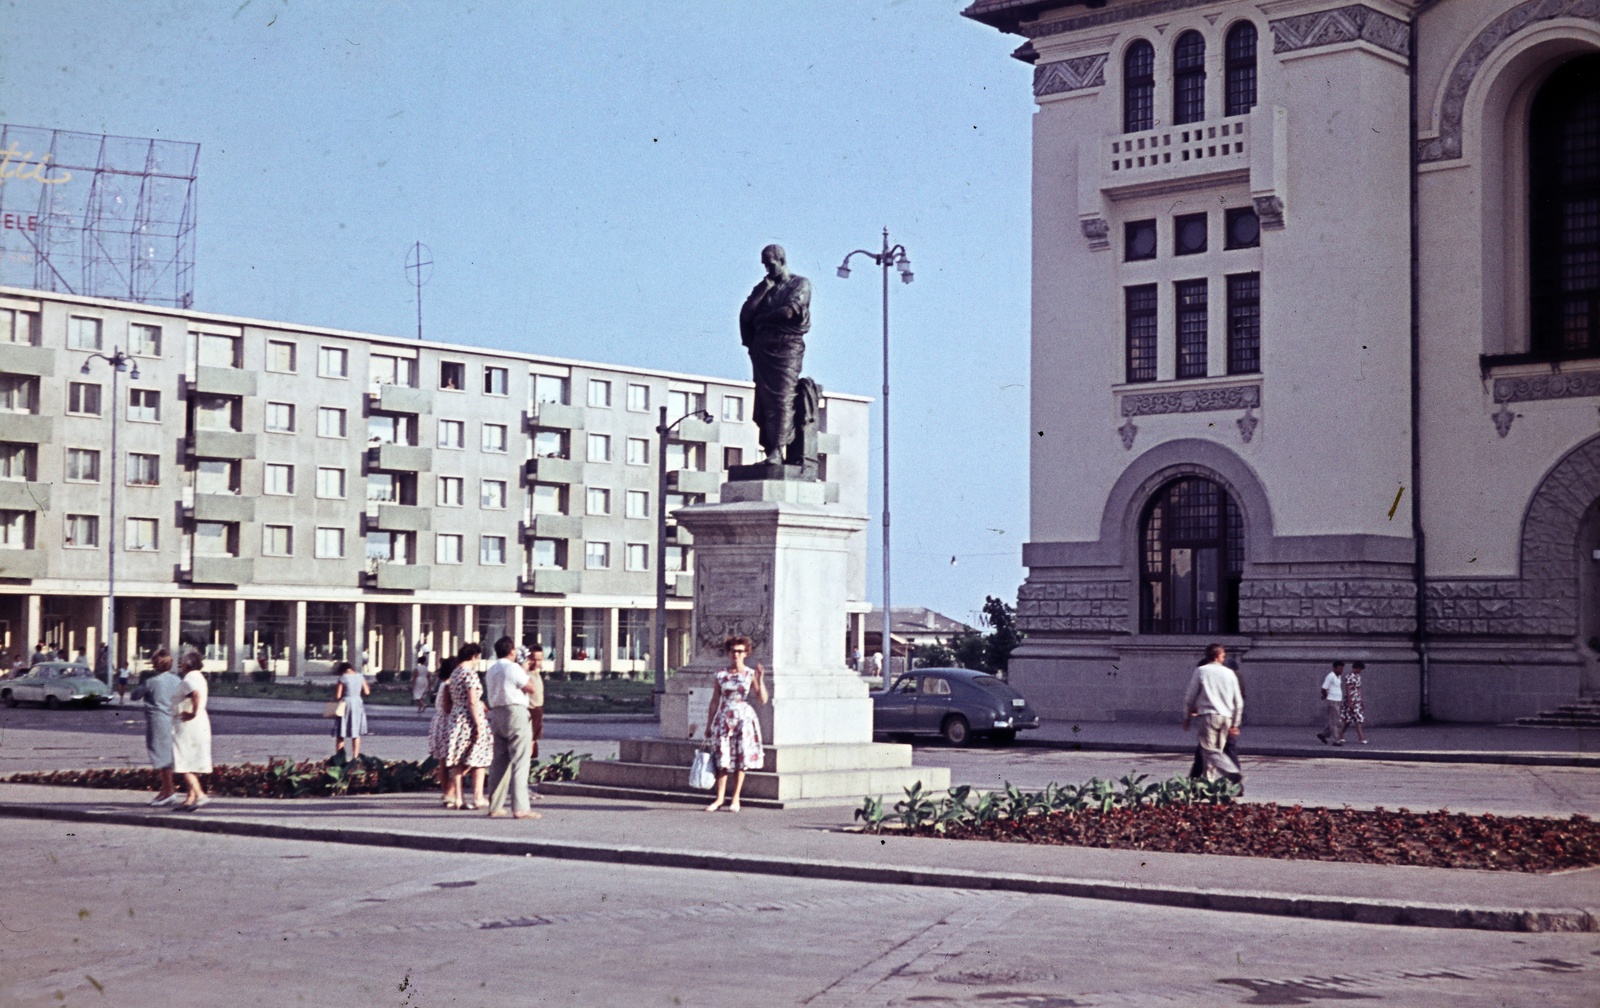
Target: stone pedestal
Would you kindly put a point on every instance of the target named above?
(770, 564)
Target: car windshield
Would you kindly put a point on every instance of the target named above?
(990, 684)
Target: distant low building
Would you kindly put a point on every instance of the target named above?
(910, 627)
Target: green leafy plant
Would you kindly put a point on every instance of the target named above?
(920, 808)
(871, 813)
(559, 767)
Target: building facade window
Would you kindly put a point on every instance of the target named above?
(683, 403)
(551, 389)
(548, 554)
(216, 538)
(677, 559)
(144, 470)
(330, 422)
(16, 530)
(84, 398)
(1189, 78)
(1140, 325)
(1240, 69)
(144, 340)
(638, 504)
(1139, 88)
(278, 479)
(638, 451)
(451, 490)
(139, 535)
(217, 350)
(599, 501)
(550, 444)
(279, 418)
(1244, 323)
(330, 543)
(281, 356)
(391, 547)
(639, 398)
(1139, 240)
(216, 476)
(386, 369)
(83, 333)
(599, 448)
(733, 457)
(447, 548)
(19, 327)
(599, 393)
(733, 408)
(333, 362)
(549, 498)
(1242, 227)
(20, 393)
(83, 531)
(1189, 234)
(452, 433)
(83, 465)
(638, 557)
(1564, 184)
(20, 462)
(1193, 328)
(686, 455)
(1192, 553)
(496, 381)
(330, 483)
(277, 540)
(383, 488)
(144, 405)
(452, 376)
(216, 413)
(492, 550)
(597, 555)
(494, 437)
(493, 495)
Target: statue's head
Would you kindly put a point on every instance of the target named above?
(773, 258)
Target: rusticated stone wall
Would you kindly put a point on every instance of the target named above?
(1085, 606)
(1327, 606)
(1537, 608)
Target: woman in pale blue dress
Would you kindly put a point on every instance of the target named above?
(352, 724)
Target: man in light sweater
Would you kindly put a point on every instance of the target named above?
(1333, 701)
(1215, 698)
(507, 690)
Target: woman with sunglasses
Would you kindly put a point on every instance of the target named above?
(731, 722)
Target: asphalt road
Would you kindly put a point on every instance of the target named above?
(123, 917)
(32, 738)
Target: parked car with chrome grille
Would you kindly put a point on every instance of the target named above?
(955, 703)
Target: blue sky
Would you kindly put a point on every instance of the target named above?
(597, 181)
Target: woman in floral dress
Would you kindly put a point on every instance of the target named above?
(731, 722)
(469, 744)
(1352, 712)
(439, 730)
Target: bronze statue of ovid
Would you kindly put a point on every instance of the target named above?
(772, 325)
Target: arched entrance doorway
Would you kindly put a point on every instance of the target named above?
(1191, 557)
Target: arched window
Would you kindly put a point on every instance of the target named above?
(1189, 78)
(1241, 69)
(1564, 205)
(1191, 557)
(1139, 87)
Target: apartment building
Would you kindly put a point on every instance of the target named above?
(285, 497)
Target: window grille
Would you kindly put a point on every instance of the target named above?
(1240, 83)
(1189, 78)
(1139, 87)
(1141, 332)
(1564, 156)
(1192, 326)
(1244, 323)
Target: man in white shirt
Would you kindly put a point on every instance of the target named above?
(1214, 697)
(506, 689)
(1333, 700)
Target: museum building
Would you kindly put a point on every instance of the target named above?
(1316, 352)
(284, 497)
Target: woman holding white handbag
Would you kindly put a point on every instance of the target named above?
(731, 722)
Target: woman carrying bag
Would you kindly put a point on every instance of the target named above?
(349, 722)
(731, 722)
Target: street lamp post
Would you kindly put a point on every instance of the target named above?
(119, 362)
(659, 645)
(889, 256)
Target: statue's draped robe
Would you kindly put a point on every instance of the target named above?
(773, 324)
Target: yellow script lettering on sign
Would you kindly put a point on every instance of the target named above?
(21, 171)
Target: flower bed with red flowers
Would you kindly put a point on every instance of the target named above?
(1432, 839)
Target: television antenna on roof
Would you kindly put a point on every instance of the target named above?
(419, 270)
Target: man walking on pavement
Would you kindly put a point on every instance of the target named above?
(507, 688)
(1214, 696)
(1333, 700)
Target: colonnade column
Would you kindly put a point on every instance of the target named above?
(564, 644)
(412, 615)
(174, 626)
(469, 623)
(358, 636)
(515, 630)
(297, 649)
(236, 637)
(35, 622)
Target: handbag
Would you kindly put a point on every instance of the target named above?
(701, 774)
(334, 709)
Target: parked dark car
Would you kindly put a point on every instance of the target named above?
(955, 703)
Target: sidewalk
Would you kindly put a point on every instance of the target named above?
(269, 708)
(811, 843)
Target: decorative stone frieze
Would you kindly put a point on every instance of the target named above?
(1447, 145)
(1247, 424)
(1129, 430)
(1069, 75)
(1083, 606)
(1355, 23)
(1269, 211)
(1530, 388)
(1108, 15)
(1097, 232)
(1201, 400)
(1327, 606)
(1501, 607)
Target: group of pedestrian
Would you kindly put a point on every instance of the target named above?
(177, 728)
(1341, 699)
(489, 724)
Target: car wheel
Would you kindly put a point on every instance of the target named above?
(53, 702)
(10, 700)
(956, 731)
(1003, 738)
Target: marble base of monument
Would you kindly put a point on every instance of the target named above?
(806, 472)
(772, 564)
